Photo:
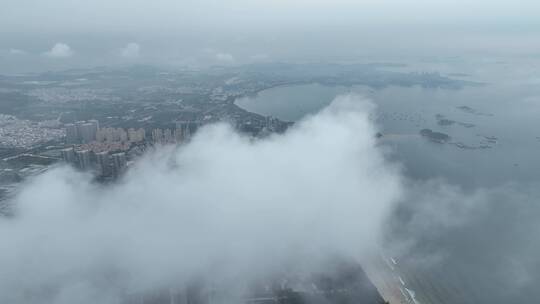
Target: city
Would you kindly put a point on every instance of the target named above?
(100, 120)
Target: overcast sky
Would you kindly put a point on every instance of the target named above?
(69, 33)
(99, 15)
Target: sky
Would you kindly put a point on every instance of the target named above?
(177, 33)
(101, 15)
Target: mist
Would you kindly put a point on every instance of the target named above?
(223, 206)
(481, 241)
(230, 208)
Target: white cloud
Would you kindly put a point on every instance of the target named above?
(60, 50)
(132, 50)
(225, 58)
(17, 52)
(259, 58)
(223, 205)
(214, 56)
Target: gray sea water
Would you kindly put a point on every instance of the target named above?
(498, 125)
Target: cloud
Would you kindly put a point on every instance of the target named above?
(225, 58)
(213, 56)
(219, 205)
(224, 205)
(60, 50)
(17, 52)
(259, 58)
(478, 237)
(132, 50)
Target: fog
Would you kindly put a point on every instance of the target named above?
(231, 209)
(480, 242)
(223, 206)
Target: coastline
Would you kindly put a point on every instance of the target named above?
(387, 283)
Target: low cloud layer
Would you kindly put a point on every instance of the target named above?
(132, 50)
(468, 246)
(223, 205)
(17, 52)
(232, 208)
(60, 50)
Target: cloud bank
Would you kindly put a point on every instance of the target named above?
(60, 50)
(17, 52)
(481, 241)
(132, 50)
(223, 205)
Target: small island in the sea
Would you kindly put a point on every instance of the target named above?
(437, 137)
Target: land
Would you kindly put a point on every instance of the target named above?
(443, 121)
(137, 107)
(35, 108)
(342, 281)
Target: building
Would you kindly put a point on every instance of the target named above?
(122, 135)
(178, 137)
(135, 135)
(111, 135)
(119, 163)
(68, 155)
(168, 136)
(72, 135)
(82, 132)
(107, 135)
(186, 129)
(104, 164)
(84, 161)
(95, 123)
(88, 132)
(157, 136)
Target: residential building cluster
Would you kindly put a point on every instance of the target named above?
(105, 164)
(100, 149)
(104, 150)
(87, 135)
(183, 131)
(111, 135)
(18, 133)
(81, 132)
(65, 95)
(97, 147)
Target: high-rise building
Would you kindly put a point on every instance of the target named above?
(68, 155)
(101, 135)
(81, 131)
(88, 132)
(119, 162)
(135, 135)
(103, 160)
(95, 123)
(157, 136)
(167, 136)
(178, 137)
(105, 135)
(187, 128)
(83, 158)
(79, 124)
(72, 134)
(122, 135)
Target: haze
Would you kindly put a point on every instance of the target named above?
(271, 151)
